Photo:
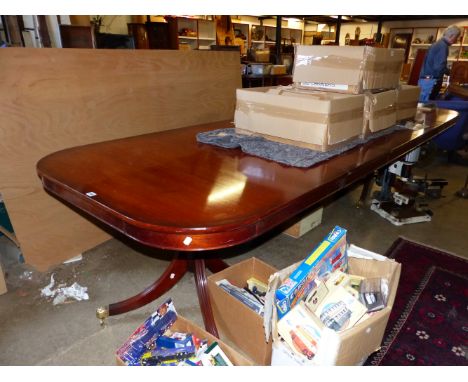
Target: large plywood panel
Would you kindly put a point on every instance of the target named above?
(51, 99)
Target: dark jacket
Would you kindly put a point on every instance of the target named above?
(435, 62)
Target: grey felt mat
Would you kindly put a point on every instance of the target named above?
(279, 152)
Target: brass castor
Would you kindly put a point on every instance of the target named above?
(102, 313)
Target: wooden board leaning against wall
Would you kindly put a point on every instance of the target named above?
(52, 99)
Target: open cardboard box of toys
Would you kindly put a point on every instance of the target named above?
(331, 308)
(313, 313)
(166, 338)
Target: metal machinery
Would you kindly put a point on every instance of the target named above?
(406, 204)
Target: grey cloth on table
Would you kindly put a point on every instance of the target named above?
(279, 152)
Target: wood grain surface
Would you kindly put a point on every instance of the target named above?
(3, 288)
(51, 99)
(168, 191)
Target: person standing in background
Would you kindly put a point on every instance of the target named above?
(435, 62)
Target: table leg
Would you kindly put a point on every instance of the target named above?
(366, 188)
(203, 297)
(216, 265)
(174, 272)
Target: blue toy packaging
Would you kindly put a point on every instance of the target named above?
(144, 337)
(327, 257)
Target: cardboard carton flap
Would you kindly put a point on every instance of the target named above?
(275, 280)
(298, 115)
(361, 253)
(235, 321)
(408, 93)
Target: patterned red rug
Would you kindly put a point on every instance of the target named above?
(429, 320)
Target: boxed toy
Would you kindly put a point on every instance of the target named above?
(379, 111)
(407, 101)
(340, 309)
(348, 346)
(301, 330)
(312, 119)
(327, 257)
(347, 69)
(236, 321)
(244, 295)
(166, 338)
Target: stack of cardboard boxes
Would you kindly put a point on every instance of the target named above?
(339, 93)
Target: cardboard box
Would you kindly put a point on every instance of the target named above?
(407, 102)
(278, 69)
(351, 346)
(184, 325)
(379, 111)
(313, 119)
(262, 55)
(306, 224)
(234, 320)
(347, 69)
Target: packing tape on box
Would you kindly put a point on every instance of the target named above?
(382, 67)
(407, 105)
(341, 62)
(380, 113)
(303, 93)
(369, 100)
(380, 74)
(297, 115)
(391, 63)
(385, 78)
(329, 61)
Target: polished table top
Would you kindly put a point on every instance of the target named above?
(167, 190)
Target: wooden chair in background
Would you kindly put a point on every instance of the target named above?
(77, 36)
(459, 73)
(416, 68)
(405, 72)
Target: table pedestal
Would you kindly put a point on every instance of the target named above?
(174, 272)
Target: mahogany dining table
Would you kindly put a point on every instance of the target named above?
(168, 191)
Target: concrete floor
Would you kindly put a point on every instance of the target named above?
(35, 332)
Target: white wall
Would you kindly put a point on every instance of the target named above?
(54, 32)
(115, 24)
(311, 27)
